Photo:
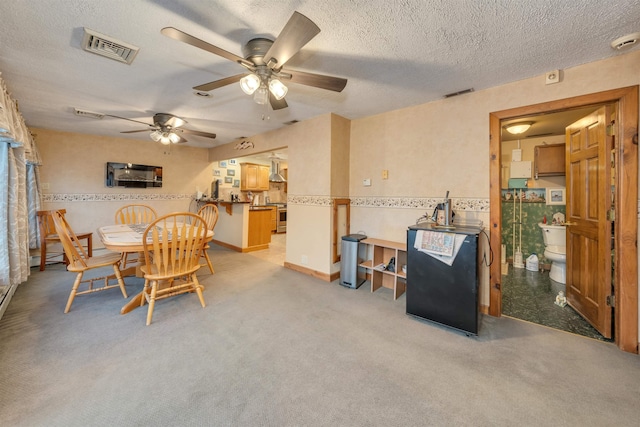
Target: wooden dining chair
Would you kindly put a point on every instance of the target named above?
(208, 212)
(173, 246)
(134, 214)
(80, 261)
(49, 239)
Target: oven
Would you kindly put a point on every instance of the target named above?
(281, 216)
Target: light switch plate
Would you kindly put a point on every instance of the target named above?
(366, 182)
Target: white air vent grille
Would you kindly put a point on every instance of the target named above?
(89, 114)
(100, 44)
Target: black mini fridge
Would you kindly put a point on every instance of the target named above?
(442, 293)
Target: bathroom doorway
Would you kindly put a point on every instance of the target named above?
(626, 193)
(532, 289)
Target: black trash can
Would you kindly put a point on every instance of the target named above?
(350, 257)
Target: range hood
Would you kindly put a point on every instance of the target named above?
(275, 172)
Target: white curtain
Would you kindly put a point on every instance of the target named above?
(18, 192)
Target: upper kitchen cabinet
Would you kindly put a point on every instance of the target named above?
(549, 160)
(254, 177)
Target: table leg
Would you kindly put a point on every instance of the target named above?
(133, 304)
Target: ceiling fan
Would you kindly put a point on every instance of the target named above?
(166, 128)
(264, 59)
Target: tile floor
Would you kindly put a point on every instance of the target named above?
(531, 295)
(277, 250)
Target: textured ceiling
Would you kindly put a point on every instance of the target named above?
(394, 53)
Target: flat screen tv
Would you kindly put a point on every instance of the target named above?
(132, 175)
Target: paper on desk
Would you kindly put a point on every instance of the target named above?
(457, 243)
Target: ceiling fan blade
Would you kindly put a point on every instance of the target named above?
(219, 83)
(136, 131)
(298, 31)
(335, 84)
(182, 140)
(194, 41)
(199, 133)
(131, 120)
(277, 104)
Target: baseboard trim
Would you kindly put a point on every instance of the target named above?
(309, 272)
(484, 309)
(227, 245)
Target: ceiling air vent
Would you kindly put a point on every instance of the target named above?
(100, 44)
(461, 92)
(90, 114)
(291, 122)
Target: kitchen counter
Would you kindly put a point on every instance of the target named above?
(240, 227)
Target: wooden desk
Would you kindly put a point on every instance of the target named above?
(128, 238)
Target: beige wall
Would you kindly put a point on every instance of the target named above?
(309, 162)
(73, 165)
(444, 145)
(427, 149)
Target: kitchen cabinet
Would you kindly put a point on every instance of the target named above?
(381, 252)
(549, 160)
(259, 233)
(274, 219)
(254, 177)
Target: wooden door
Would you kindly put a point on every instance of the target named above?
(588, 228)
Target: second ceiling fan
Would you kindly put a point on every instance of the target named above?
(264, 59)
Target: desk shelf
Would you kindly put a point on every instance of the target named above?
(379, 253)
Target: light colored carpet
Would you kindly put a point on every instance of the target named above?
(275, 347)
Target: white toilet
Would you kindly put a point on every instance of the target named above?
(555, 242)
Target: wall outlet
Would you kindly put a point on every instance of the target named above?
(304, 260)
(552, 77)
(366, 182)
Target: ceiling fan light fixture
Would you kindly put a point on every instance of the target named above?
(518, 127)
(261, 95)
(156, 135)
(278, 89)
(250, 83)
(174, 137)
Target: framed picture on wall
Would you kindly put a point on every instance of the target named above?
(236, 183)
(216, 172)
(222, 163)
(231, 172)
(228, 180)
(556, 196)
(233, 162)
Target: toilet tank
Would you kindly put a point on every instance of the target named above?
(553, 235)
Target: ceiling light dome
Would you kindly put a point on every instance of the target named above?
(518, 127)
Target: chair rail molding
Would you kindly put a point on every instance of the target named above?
(111, 197)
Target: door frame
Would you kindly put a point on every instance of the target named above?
(626, 224)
